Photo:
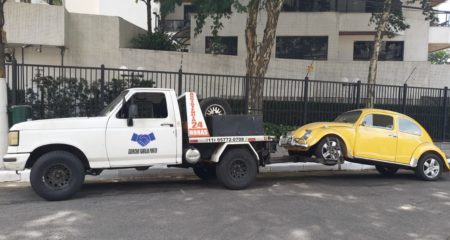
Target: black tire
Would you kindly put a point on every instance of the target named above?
(424, 164)
(386, 171)
(205, 171)
(336, 152)
(237, 169)
(57, 175)
(215, 106)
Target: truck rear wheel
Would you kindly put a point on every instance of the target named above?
(237, 169)
(215, 106)
(57, 175)
(205, 171)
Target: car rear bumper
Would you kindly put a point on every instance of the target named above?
(16, 161)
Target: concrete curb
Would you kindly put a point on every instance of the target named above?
(24, 176)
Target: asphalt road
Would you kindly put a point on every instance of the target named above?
(320, 205)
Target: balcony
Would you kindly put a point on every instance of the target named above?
(175, 26)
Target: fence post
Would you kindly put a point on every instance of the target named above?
(305, 100)
(180, 81)
(358, 93)
(14, 82)
(405, 92)
(246, 93)
(102, 86)
(445, 113)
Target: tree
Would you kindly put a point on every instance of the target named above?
(439, 57)
(156, 41)
(389, 21)
(148, 4)
(258, 52)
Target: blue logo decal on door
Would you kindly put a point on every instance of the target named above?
(143, 139)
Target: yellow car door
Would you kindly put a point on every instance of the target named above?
(409, 138)
(376, 138)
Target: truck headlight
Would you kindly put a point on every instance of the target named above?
(13, 138)
(307, 134)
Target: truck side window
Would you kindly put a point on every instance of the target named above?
(150, 105)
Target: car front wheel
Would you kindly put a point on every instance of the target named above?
(429, 167)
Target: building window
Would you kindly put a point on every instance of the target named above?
(307, 5)
(225, 46)
(315, 48)
(390, 50)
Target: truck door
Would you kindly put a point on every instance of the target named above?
(152, 137)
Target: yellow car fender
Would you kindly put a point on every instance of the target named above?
(428, 147)
(318, 135)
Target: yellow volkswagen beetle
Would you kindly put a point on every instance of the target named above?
(386, 139)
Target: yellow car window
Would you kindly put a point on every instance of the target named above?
(379, 121)
(407, 126)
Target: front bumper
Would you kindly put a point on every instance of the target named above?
(289, 142)
(16, 161)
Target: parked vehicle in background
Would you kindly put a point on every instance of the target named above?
(386, 139)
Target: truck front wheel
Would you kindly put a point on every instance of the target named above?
(237, 169)
(57, 175)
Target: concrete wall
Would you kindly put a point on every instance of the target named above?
(390, 73)
(37, 24)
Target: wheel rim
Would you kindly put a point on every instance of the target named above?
(238, 169)
(215, 110)
(57, 176)
(431, 168)
(331, 150)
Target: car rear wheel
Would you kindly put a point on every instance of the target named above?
(330, 149)
(386, 171)
(429, 167)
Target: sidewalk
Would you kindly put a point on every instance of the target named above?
(162, 171)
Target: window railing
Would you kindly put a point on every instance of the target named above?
(175, 25)
(442, 19)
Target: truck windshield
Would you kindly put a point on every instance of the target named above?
(113, 104)
(348, 117)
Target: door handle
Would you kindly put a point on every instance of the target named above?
(166, 125)
(392, 135)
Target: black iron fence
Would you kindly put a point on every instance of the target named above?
(56, 91)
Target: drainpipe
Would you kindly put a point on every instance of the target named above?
(3, 120)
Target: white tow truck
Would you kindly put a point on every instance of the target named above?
(142, 127)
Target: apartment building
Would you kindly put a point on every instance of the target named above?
(324, 30)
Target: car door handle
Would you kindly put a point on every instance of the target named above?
(166, 125)
(392, 135)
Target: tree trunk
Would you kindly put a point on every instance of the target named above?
(373, 65)
(149, 16)
(258, 55)
(2, 45)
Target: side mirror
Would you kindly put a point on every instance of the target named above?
(363, 123)
(132, 113)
